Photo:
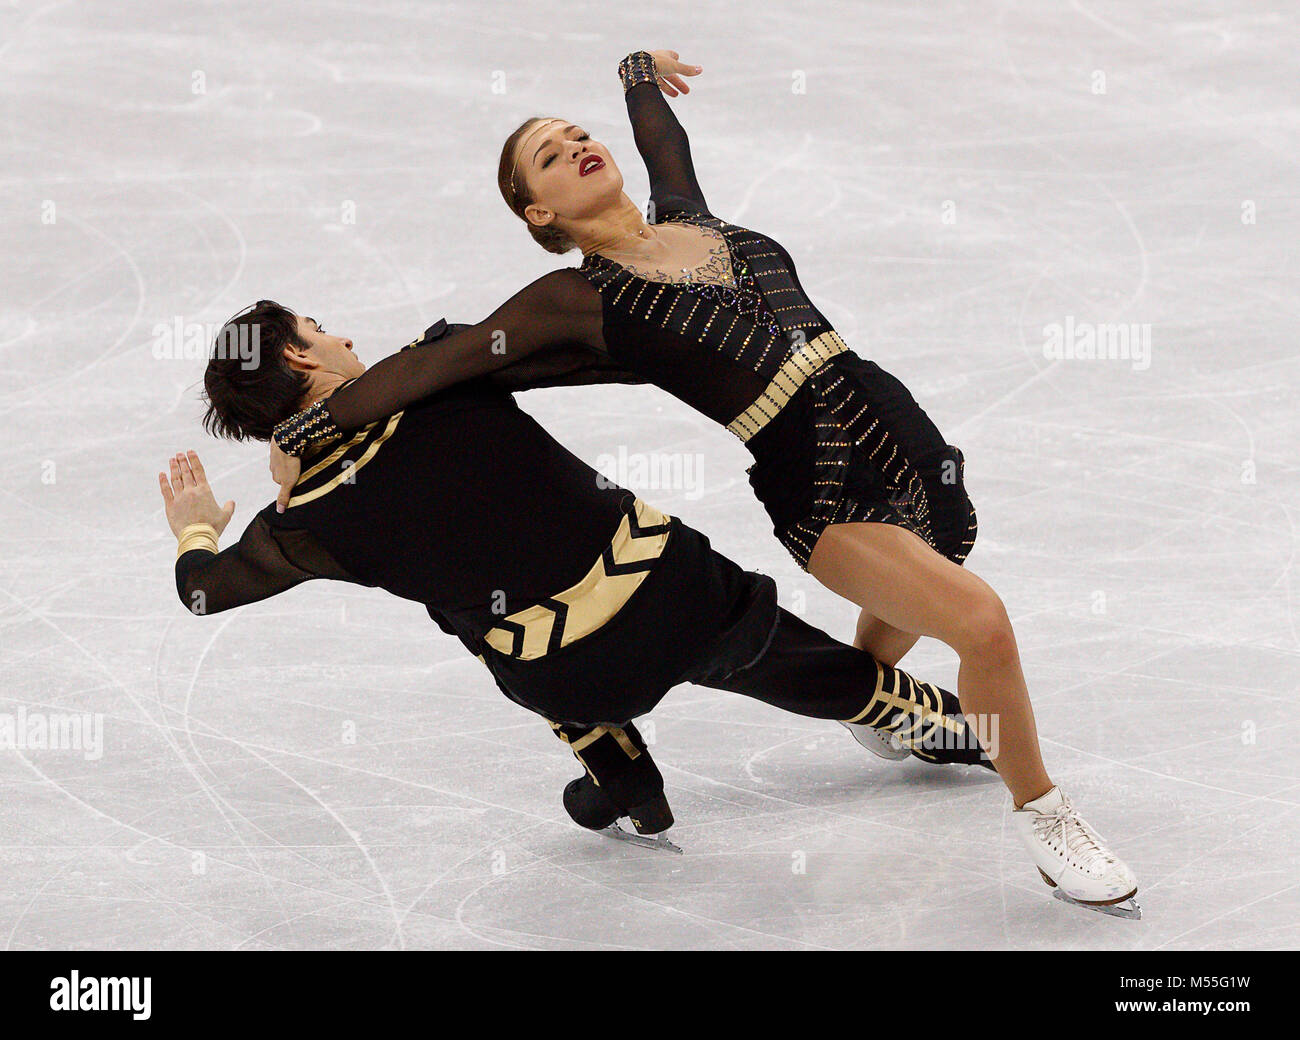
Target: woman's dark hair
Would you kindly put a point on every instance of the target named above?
(249, 387)
(514, 190)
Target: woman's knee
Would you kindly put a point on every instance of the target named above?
(984, 629)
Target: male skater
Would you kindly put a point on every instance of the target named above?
(585, 603)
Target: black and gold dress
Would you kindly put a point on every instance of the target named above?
(835, 438)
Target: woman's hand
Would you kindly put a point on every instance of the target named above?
(187, 497)
(670, 70)
(284, 471)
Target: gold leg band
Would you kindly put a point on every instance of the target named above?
(582, 743)
(908, 698)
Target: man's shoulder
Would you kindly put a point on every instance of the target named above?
(440, 329)
(481, 388)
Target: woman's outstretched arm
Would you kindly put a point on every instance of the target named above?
(660, 139)
(560, 307)
(566, 364)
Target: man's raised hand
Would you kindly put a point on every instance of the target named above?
(187, 497)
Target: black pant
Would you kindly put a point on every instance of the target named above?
(804, 671)
(696, 614)
(700, 618)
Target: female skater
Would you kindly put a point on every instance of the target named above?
(862, 489)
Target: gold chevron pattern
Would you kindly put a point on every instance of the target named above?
(584, 607)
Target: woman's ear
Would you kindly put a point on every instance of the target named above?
(538, 216)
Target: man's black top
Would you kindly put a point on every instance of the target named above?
(462, 503)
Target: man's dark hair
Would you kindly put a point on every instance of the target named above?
(247, 396)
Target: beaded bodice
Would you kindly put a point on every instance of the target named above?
(757, 318)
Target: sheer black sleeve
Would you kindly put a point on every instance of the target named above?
(558, 308)
(660, 139)
(568, 364)
(561, 366)
(262, 563)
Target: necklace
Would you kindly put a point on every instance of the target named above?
(602, 250)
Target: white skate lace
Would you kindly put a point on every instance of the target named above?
(1083, 846)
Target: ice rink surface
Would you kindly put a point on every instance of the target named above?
(326, 769)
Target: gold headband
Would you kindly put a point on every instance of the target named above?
(520, 149)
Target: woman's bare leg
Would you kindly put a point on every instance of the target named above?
(882, 640)
(906, 584)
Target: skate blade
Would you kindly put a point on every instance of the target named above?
(658, 842)
(1127, 908)
(878, 742)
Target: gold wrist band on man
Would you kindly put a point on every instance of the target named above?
(196, 536)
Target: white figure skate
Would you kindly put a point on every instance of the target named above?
(1073, 859)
